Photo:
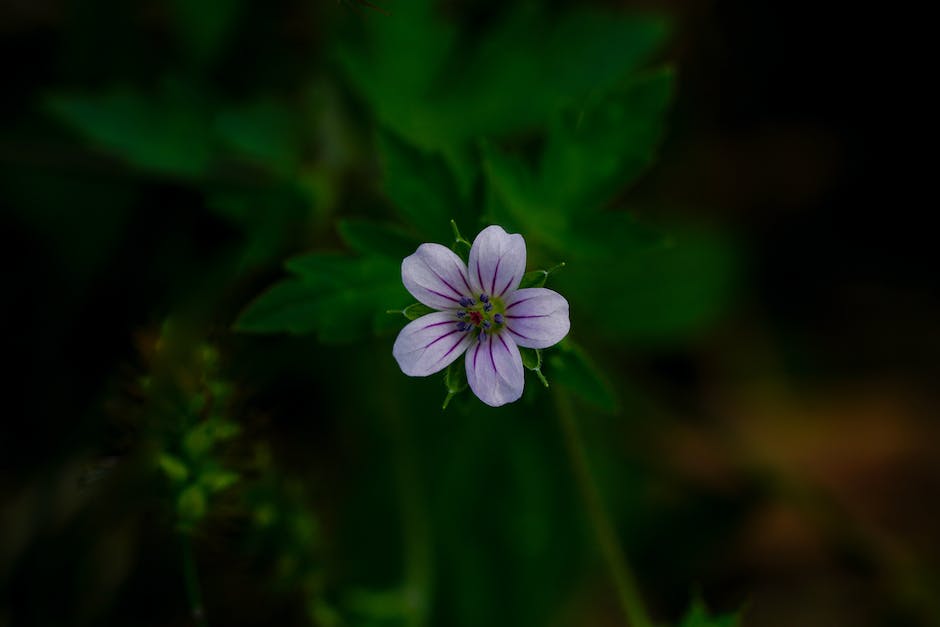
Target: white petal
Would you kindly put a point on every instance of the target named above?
(497, 261)
(430, 344)
(436, 276)
(494, 370)
(536, 317)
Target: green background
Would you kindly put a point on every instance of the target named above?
(205, 208)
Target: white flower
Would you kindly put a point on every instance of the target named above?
(480, 312)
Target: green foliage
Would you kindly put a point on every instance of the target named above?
(572, 368)
(339, 298)
(537, 278)
(264, 132)
(368, 237)
(698, 616)
(166, 132)
(421, 186)
(204, 26)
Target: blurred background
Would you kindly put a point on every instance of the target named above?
(204, 209)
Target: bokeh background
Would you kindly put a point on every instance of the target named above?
(204, 209)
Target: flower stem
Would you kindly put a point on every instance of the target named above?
(191, 578)
(619, 570)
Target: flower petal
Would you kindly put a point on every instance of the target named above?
(536, 317)
(497, 261)
(430, 344)
(494, 370)
(436, 276)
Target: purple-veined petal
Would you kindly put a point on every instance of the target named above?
(497, 262)
(494, 370)
(430, 343)
(536, 317)
(436, 276)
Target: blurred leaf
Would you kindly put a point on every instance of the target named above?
(173, 467)
(594, 152)
(529, 65)
(698, 616)
(337, 297)
(421, 186)
(165, 133)
(218, 480)
(191, 504)
(571, 367)
(649, 287)
(205, 25)
(377, 238)
(264, 132)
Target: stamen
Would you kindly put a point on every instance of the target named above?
(487, 306)
(466, 302)
(463, 326)
(498, 318)
(484, 298)
(461, 313)
(486, 324)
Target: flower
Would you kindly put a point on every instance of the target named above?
(480, 312)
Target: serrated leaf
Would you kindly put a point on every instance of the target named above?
(165, 133)
(571, 367)
(421, 186)
(337, 297)
(377, 238)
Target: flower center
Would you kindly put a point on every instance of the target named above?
(484, 315)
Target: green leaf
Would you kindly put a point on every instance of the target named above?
(421, 186)
(263, 132)
(596, 151)
(572, 368)
(218, 480)
(191, 504)
(377, 238)
(698, 616)
(173, 467)
(455, 380)
(164, 133)
(337, 297)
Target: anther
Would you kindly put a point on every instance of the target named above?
(484, 298)
(487, 306)
(486, 324)
(498, 318)
(461, 313)
(466, 302)
(463, 326)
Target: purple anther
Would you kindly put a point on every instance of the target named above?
(484, 298)
(466, 302)
(461, 313)
(481, 336)
(487, 306)
(463, 326)
(486, 324)
(498, 318)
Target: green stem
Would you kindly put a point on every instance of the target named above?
(620, 573)
(191, 578)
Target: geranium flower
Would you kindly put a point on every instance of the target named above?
(480, 312)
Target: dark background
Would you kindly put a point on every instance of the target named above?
(776, 453)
